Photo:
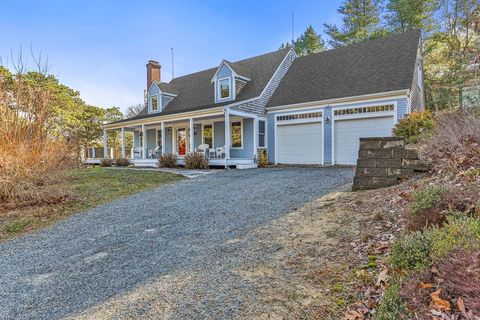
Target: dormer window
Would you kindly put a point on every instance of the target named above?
(154, 102)
(224, 88)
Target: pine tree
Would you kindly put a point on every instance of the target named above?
(361, 21)
(309, 42)
(405, 15)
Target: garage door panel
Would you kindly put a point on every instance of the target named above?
(299, 143)
(348, 133)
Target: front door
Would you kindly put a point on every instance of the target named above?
(182, 141)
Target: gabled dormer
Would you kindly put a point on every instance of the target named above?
(228, 81)
(159, 94)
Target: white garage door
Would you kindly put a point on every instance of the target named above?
(348, 133)
(299, 143)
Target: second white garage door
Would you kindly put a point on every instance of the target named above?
(348, 133)
(299, 143)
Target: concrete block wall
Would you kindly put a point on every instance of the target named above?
(382, 162)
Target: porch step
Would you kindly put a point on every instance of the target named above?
(247, 166)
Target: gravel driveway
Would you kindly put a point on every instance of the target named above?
(172, 250)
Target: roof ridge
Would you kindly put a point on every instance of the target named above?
(212, 68)
(363, 43)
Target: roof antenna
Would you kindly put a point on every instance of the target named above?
(292, 26)
(172, 64)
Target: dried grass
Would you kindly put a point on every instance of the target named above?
(30, 156)
(454, 142)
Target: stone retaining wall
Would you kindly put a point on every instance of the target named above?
(382, 162)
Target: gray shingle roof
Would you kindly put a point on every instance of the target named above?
(196, 92)
(167, 87)
(374, 66)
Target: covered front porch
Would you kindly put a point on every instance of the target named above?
(183, 134)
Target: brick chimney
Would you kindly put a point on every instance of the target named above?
(153, 72)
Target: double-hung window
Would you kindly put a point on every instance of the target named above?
(208, 135)
(154, 102)
(224, 91)
(237, 136)
(261, 134)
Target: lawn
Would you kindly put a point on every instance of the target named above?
(83, 189)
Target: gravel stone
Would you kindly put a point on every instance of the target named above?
(192, 229)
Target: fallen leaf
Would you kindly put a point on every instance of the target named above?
(461, 307)
(354, 315)
(382, 277)
(439, 303)
(426, 285)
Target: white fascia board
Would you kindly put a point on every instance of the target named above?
(164, 118)
(224, 62)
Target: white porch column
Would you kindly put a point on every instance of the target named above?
(192, 136)
(163, 137)
(227, 137)
(255, 138)
(93, 153)
(105, 142)
(144, 142)
(123, 143)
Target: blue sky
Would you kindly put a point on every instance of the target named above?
(101, 47)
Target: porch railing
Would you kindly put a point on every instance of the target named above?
(97, 153)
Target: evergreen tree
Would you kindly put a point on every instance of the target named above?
(405, 15)
(309, 42)
(361, 21)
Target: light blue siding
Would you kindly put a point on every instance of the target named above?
(136, 140)
(402, 108)
(247, 148)
(224, 72)
(271, 137)
(219, 134)
(168, 140)
(198, 137)
(151, 139)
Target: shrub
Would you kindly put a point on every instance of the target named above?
(263, 158)
(426, 198)
(391, 306)
(459, 232)
(167, 160)
(122, 162)
(196, 160)
(412, 251)
(414, 126)
(31, 152)
(454, 143)
(460, 272)
(106, 163)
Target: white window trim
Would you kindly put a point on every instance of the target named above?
(213, 132)
(264, 134)
(231, 134)
(151, 104)
(219, 96)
